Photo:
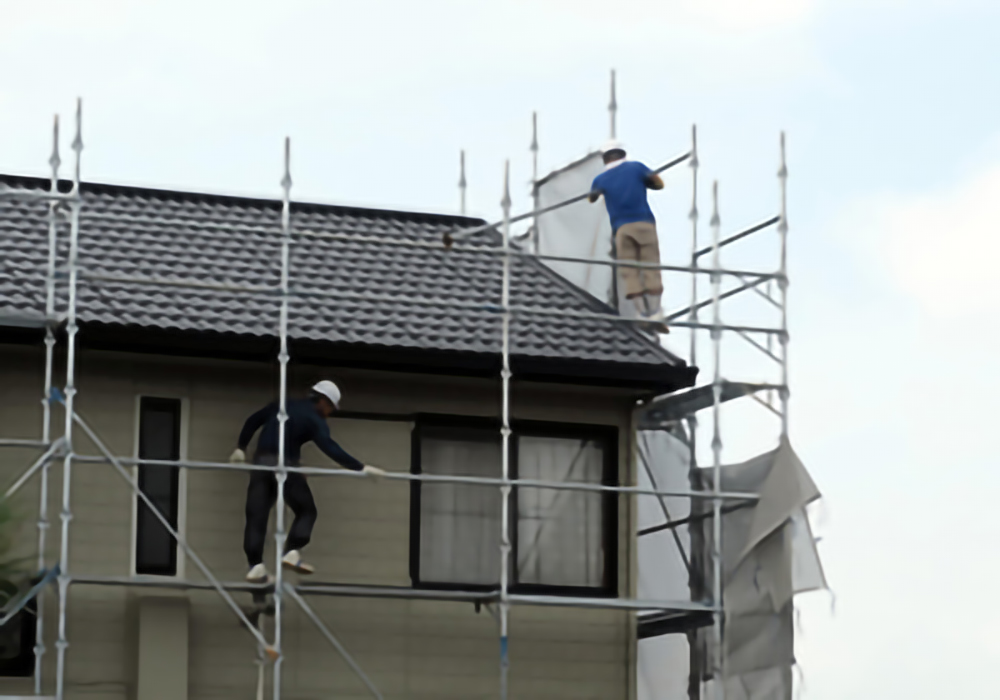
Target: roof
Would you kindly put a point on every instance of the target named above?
(224, 239)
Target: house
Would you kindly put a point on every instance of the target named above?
(171, 373)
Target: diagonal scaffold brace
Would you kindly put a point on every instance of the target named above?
(325, 631)
(216, 584)
(54, 449)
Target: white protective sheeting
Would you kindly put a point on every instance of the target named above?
(663, 464)
(663, 662)
(580, 230)
(768, 555)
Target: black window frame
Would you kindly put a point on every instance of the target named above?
(175, 406)
(23, 665)
(608, 435)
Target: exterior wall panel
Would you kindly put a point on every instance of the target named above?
(411, 649)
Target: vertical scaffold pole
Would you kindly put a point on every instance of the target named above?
(71, 328)
(613, 108)
(505, 375)
(534, 181)
(282, 475)
(695, 664)
(783, 286)
(462, 184)
(719, 661)
(50, 344)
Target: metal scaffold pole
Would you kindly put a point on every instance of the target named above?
(695, 662)
(282, 475)
(613, 108)
(505, 489)
(70, 392)
(50, 343)
(462, 183)
(719, 661)
(535, 240)
(783, 287)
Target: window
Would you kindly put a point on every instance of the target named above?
(159, 439)
(561, 540)
(17, 637)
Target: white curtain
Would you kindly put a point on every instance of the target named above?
(560, 533)
(460, 523)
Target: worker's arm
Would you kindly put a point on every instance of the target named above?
(654, 181)
(331, 449)
(595, 190)
(254, 424)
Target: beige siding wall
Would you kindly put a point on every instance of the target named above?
(411, 649)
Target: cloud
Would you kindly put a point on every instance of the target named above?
(942, 248)
(937, 247)
(743, 17)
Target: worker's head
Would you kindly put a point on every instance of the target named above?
(613, 150)
(325, 397)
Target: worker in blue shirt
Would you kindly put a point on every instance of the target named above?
(623, 184)
(306, 422)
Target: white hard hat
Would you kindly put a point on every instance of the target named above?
(612, 145)
(329, 390)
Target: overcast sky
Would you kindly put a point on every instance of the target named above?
(893, 121)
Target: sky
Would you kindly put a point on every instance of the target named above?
(893, 128)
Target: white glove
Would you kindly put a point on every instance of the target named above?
(237, 457)
(373, 472)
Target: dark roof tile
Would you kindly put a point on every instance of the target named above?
(177, 235)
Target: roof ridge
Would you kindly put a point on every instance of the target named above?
(65, 185)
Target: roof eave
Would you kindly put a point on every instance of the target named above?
(642, 377)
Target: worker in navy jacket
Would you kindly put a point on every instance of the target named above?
(306, 422)
(623, 184)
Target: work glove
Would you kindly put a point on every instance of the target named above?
(373, 472)
(238, 456)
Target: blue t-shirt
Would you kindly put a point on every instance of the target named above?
(624, 190)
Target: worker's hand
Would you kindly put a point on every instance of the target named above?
(594, 196)
(238, 456)
(373, 472)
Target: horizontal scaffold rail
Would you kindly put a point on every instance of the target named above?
(484, 308)
(357, 234)
(429, 478)
(738, 236)
(12, 442)
(405, 593)
(17, 194)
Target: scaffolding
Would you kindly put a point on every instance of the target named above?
(67, 205)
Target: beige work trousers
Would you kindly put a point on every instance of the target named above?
(638, 242)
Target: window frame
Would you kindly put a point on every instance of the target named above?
(609, 437)
(183, 426)
(23, 665)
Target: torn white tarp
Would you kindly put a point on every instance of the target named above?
(768, 555)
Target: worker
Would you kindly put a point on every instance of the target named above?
(306, 422)
(623, 183)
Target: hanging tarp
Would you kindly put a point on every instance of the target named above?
(580, 230)
(768, 556)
